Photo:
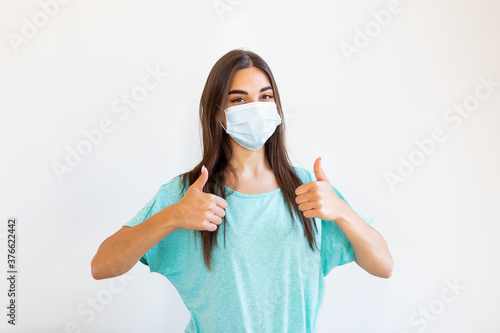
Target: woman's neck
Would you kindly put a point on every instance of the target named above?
(252, 170)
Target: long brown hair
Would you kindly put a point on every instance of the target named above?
(217, 149)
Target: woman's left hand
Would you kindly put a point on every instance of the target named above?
(318, 199)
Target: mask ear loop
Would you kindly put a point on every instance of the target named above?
(220, 122)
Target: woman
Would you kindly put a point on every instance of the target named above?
(245, 237)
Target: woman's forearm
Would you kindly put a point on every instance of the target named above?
(121, 251)
(371, 250)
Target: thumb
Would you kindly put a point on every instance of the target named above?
(201, 181)
(318, 171)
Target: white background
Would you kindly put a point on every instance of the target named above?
(358, 113)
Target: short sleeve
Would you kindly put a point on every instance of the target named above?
(162, 257)
(140, 217)
(336, 250)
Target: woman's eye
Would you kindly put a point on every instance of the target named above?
(241, 99)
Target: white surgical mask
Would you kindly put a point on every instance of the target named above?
(251, 124)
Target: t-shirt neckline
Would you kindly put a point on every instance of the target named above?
(252, 196)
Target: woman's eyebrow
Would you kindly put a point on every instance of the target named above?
(243, 92)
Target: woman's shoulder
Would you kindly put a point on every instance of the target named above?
(304, 174)
(173, 189)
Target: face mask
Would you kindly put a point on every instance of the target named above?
(251, 124)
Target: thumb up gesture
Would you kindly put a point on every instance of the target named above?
(198, 210)
(318, 199)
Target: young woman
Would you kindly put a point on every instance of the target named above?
(245, 237)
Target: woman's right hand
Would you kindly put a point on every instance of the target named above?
(197, 210)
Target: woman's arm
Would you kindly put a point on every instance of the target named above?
(372, 253)
(195, 211)
(122, 250)
(319, 199)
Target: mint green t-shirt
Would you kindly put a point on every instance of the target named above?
(265, 279)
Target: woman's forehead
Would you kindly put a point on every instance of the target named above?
(249, 79)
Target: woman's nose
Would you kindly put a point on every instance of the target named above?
(252, 99)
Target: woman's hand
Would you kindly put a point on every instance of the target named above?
(197, 210)
(318, 199)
